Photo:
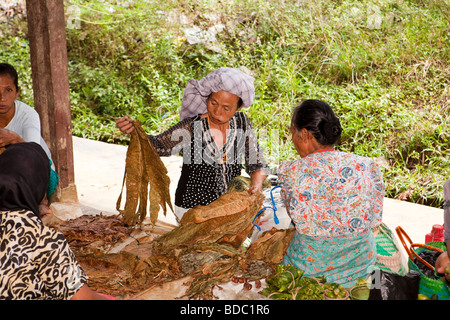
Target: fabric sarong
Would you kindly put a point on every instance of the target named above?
(340, 259)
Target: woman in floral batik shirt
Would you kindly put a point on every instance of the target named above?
(334, 198)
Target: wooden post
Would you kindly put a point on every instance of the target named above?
(48, 51)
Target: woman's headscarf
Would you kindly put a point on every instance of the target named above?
(196, 94)
(24, 176)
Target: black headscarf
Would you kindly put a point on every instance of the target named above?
(24, 176)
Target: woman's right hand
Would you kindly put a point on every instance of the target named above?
(442, 263)
(125, 124)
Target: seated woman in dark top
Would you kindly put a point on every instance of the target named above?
(213, 136)
(35, 260)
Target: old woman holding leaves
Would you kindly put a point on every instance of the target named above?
(215, 137)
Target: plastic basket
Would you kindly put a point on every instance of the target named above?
(427, 285)
(389, 258)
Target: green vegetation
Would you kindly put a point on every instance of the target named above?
(382, 64)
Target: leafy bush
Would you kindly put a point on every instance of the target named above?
(382, 65)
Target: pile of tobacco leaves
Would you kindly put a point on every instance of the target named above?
(123, 256)
(207, 245)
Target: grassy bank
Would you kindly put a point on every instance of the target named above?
(383, 65)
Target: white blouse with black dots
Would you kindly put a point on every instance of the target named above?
(207, 170)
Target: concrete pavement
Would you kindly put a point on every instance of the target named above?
(99, 170)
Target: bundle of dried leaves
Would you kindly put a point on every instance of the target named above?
(258, 262)
(143, 169)
(228, 220)
(206, 246)
(208, 243)
(90, 233)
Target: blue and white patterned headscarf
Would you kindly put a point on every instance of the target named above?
(196, 94)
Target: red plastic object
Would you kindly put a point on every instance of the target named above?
(436, 234)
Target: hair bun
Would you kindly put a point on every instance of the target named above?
(319, 119)
(331, 130)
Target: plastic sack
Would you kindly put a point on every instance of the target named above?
(273, 213)
(389, 286)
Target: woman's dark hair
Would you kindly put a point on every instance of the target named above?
(240, 103)
(319, 119)
(6, 68)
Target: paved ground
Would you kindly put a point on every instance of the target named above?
(99, 169)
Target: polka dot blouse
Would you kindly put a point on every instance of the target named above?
(207, 170)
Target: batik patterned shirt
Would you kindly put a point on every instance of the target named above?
(332, 193)
(36, 262)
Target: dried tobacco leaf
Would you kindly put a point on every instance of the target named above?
(271, 246)
(227, 220)
(241, 183)
(214, 273)
(226, 205)
(143, 169)
(209, 252)
(196, 257)
(89, 233)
